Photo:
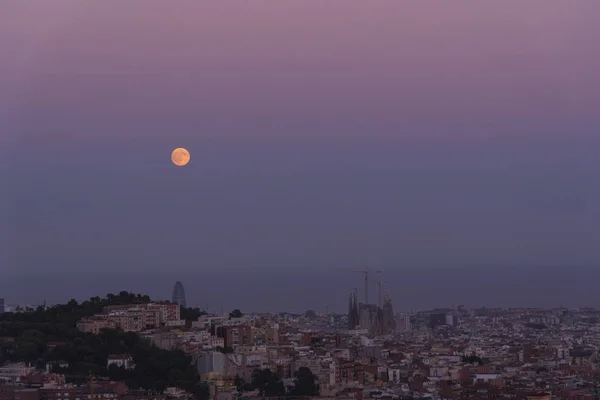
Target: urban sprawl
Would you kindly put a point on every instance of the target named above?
(370, 352)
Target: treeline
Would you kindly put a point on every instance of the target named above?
(472, 359)
(58, 322)
(49, 335)
(269, 384)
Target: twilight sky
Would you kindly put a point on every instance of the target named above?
(408, 135)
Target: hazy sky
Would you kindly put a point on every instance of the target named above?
(402, 134)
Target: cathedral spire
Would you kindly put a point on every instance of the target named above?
(351, 319)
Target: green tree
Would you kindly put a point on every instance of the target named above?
(239, 383)
(201, 391)
(305, 383)
(236, 314)
(87, 353)
(267, 383)
(190, 314)
(225, 350)
(27, 351)
(472, 359)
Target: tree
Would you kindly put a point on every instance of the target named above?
(472, 359)
(155, 369)
(310, 314)
(190, 314)
(201, 391)
(305, 383)
(225, 350)
(27, 351)
(238, 381)
(537, 326)
(267, 383)
(235, 314)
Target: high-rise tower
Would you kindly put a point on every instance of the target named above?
(353, 316)
(387, 315)
(355, 311)
(351, 322)
(179, 294)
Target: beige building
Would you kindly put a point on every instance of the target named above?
(134, 318)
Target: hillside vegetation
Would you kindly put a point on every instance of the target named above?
(47, 335)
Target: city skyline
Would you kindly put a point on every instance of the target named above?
(411, 290)
(323, 136)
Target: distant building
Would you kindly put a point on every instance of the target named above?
(403, 322)
(13, 372)
(234, 336)
(120, 360)
(353, 315)
(388, 322)
(2, 305)
(437, 319)
(133, 318)
(369, 317)
(179, 294)
(212, 362)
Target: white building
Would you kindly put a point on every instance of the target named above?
(120, 360)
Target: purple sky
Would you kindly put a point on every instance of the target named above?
(393, 133)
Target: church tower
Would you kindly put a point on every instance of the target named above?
(351, 322)
(355, 309)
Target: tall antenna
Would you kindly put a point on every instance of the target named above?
(379, 289)
(366, 271)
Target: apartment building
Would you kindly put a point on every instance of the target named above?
(132, 318)
(13, 372)
(17, 392)
(233, 336)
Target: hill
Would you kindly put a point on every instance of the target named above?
(49, 334)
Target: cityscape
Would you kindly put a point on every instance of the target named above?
(368, 352)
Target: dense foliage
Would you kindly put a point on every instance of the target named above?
(472, 359)
(534, 325)
(49, 335)
(305, 383)
(190, 314)
(269, 384)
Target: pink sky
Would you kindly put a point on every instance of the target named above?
(400, 132)
(477, 68)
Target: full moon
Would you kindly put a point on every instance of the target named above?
(180, 156)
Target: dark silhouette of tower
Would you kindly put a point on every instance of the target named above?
(387, 315)
(353, 316)
(350, 312)
(179, 294)
(355, 309)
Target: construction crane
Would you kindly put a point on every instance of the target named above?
(366, 271)
(379, 290)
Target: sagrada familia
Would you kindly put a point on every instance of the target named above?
(375, 319)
